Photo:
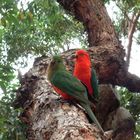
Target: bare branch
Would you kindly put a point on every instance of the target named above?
(128, 80)
(123, 10)
(131, 31)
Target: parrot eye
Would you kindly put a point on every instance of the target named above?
(81, 54)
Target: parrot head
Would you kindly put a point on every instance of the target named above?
(55, 64)
(82, 55)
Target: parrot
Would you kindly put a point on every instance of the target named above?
(68, 86)
(86, 74)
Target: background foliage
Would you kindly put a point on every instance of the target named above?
(131, 102)
(43, 27)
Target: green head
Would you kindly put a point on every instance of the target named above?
(55, 64)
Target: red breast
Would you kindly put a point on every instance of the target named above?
(64, 95)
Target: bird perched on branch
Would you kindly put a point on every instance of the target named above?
(86, 74)
(69, 87)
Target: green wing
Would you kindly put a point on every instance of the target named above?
(94, 83)
(70, 85)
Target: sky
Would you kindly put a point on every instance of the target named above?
(134, 67)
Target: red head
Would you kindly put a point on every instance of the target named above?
(82, 56)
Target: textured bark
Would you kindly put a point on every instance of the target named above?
(50, 118)
(121, 121)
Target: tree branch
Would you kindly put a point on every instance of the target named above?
(95, 19)
(123, 9)
(131, 31)
(109, 56)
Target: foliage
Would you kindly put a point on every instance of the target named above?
(42, 28)
(10, 125)
(106, 1)
(7, 75)
(131, 101)
(126, 10)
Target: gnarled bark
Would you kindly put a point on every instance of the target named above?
(47, 117)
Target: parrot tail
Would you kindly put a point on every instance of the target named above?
(93, 117)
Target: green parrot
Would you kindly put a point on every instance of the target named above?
(69, 87)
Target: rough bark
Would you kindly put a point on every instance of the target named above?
(49, 118)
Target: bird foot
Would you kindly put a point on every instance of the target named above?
(61, 100)
(108, 135)
(70, 102)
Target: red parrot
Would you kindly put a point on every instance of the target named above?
(85, 73)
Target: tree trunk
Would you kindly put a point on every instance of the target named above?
(93, 15)
(50, 118)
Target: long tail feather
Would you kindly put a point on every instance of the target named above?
(93, 117)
